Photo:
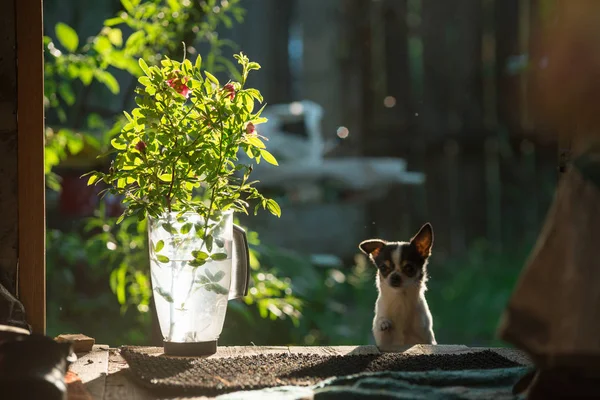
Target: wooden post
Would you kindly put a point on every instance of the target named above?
(524, 39)
(488, 58)
(30, 125)
(457, 228)
(493, 192)
(529, 186)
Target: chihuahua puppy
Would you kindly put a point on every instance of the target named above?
(402, 315)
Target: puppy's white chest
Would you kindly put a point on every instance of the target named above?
(402, 319)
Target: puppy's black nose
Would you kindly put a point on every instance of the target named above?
(395, 280)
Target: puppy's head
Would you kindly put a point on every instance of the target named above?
(401, 264)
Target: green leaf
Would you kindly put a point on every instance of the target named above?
(118, 143)
(273, 207)
(169, 228)
(113, 21)
(86, 75)
(121, 282)
(93, 179)
(186, 228)
(209, 242)
(255, 141)
(66, 93)
(115, 36)
(268, 157)
(197, 263)
(102, 45)
(253, 66)
(165, 295)
(248, 102)
(127, 4)
(198, 62)
(165, 177)
(218, 276)
(212, 78)
(255, 94)
(209, 275)
(75, 144)
(162, 259)
(215, 287)
(144, 66)
(67, 36)
(174, 5)
(108, 79)
(200, 255)
(219, 256)
(159, 246)
(144, 80)
(187, 66)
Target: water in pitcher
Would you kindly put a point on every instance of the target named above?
(191, 302)
(190, 299)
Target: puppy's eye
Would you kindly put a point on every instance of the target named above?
(384, 268)
(409, 269)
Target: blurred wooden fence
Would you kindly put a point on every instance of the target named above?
(446, 86)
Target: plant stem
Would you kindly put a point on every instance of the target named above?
(213, 189)
(172, 303)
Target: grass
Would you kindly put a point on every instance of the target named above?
(467, 296)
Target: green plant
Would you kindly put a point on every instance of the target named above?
(179, 151)
(98, 252)
(183, 137)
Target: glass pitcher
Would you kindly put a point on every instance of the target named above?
(193, 278)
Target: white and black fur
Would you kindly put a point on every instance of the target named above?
(402, 316)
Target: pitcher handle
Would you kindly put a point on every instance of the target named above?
(240, 274)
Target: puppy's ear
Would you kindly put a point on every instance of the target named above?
(423, 240)
(372, 247)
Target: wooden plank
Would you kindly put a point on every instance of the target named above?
(30, 125)
(118, 384)
(235, 351)
(334, 350)
(92, 368)
(421, 349)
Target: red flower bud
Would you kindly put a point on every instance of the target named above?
(179, 84)
(250, 128)
(230, 89)
(140, 146)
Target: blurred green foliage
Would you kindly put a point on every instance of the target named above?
(467, 295)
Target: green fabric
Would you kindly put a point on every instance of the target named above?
(430, 385)
(434, 385)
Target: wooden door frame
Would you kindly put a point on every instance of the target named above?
(31, 269)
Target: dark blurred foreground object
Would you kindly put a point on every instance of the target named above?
(554, 312)
(32, 366)
(12, 312)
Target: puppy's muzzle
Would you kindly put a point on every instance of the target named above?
(395, 280)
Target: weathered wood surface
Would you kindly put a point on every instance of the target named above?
(106, 377)
(92, 368)
(30, 165)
